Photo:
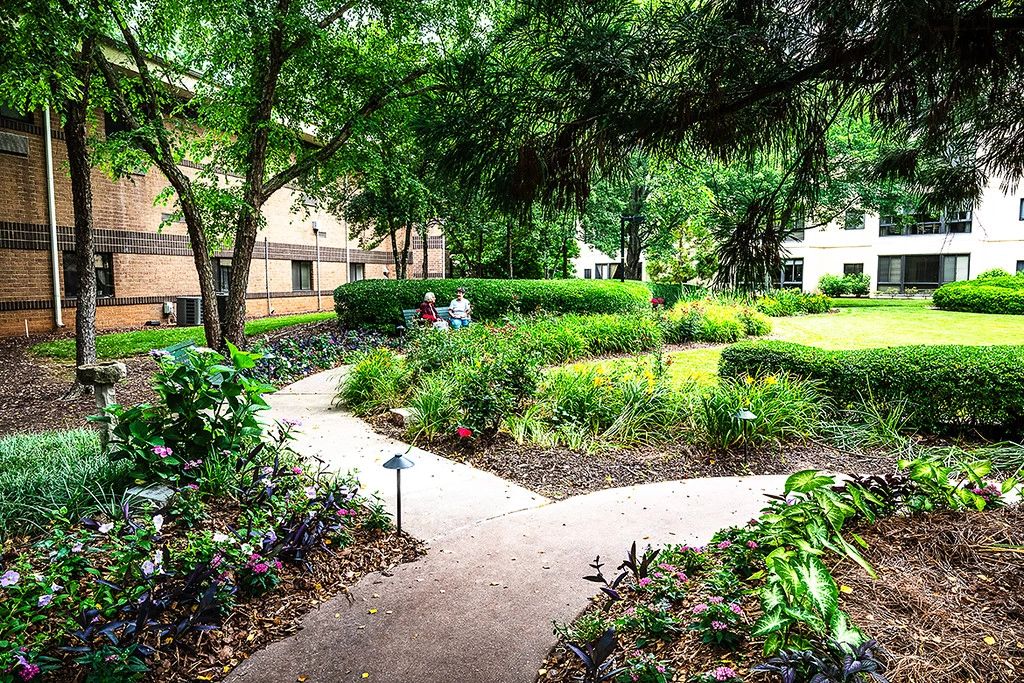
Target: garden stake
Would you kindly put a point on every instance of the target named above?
(398, 463)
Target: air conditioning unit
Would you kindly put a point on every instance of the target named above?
(190, 311)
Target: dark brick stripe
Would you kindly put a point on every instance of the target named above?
(14, 124)
(47, 304)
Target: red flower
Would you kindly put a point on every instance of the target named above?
(464, 432)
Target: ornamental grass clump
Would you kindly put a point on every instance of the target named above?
(377, 381)
(713, 321)
(786, 408)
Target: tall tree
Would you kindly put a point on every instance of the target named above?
(272, 92)
(45, 64)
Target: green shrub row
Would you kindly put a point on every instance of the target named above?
(857, 284)
(999, 294)
(940, 385)
(670, 293)
(381, 302)
(781, 303)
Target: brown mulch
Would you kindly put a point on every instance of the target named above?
(560, 472)
(948, 606)
(33, 390)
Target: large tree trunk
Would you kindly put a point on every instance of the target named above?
(241, 260)
(633, 251)
(394, 245)
(76, 113)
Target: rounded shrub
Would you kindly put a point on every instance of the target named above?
(833, 285)
(999, 294)
(993, 272)
(942, 385)
(380, 302)
(711, 321)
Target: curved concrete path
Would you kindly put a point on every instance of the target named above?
(503, 563)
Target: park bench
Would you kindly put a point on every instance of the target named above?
(179, 351)
(410, 314)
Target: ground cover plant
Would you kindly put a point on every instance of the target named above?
(140, 342)
(174, 589)
(288, 358)
(996, 293)
(380, 303)
(772, 600)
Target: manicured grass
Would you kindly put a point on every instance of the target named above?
(906, 322)
(43, 472)
(881, 303)
(138, 342)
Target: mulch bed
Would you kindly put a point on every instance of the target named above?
(560, 472)
(948, 606)
(33, 390)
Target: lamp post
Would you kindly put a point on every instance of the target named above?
(745, 417)
(398, 463)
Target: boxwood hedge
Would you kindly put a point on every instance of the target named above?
(379, 303)
(943, 385)
(1003, 294)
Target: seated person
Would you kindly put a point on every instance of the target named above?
(428, 312)
(459, 310)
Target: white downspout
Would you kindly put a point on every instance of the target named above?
(51, 208)
(316, 236)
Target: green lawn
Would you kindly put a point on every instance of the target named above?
(138, 342)
(864, 327)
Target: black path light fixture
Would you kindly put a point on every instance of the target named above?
(399, 462)
(745, 417)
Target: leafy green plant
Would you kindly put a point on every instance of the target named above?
(995, 294)
(377, 381)
(827, 661)
(648, 623)
(434, 406)
(719, 621)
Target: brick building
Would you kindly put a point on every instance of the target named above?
(297, 263)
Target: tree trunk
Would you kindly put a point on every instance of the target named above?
(633, 250)
(76, 113)
(394, 245)
(241, 261)
(407, 249)
(565, 256)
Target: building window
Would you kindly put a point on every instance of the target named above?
(15, 115)
(922, 271)
(853, 269)
(925, 224)
(796, 231)
(588, 273)
(854, 220)
(302, 276)
(1020, 266)
(112, 126)
(1022, 209)
(104, 275)
(792, 273)
(356, 272)
(222, 274)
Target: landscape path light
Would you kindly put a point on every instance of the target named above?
(398, 463)
(745, 417)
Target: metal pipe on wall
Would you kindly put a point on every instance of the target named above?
(51, 208)
(266, 272)
(316, 236)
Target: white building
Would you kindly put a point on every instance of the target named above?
(916, 256)
(593, 264)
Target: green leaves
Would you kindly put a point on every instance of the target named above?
(806, 481)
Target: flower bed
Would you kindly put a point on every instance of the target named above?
(789, 596)
(179, 589)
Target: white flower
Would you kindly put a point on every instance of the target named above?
(219, 538)
(158, 522)
(105, 528)
(158, 557)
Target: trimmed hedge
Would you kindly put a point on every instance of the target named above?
(1003, 294)
(943, 385)
(380, 302)
(672, 292)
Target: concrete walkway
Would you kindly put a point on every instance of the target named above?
(503, 562)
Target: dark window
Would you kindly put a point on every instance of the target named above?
(112, 125)
(925, 224)
(16, 115)
(222, 273)
(104, 275)
(1022, 209)
(1020, 266)
(356, 272)
(302, 276)
(853, 269)
(588, 273)
(796, 230)
(614, 271)
(793, 273)
(854, 220)
(922, 271)
(599, 272)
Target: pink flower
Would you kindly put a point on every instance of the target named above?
(682, 577)
(723, 673)
(217, 559)
(296, 470)
(700, 608)
(735, 609)
(28, 671)
(343, 512)
(718, 625)
(752, 545)
(644, 582)
(277, 564)
(260, 568)
(667, 567)
(192, 464)
(660, 669)
(716, 600)
(162, 451)
(464, 432)
(724, 544)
